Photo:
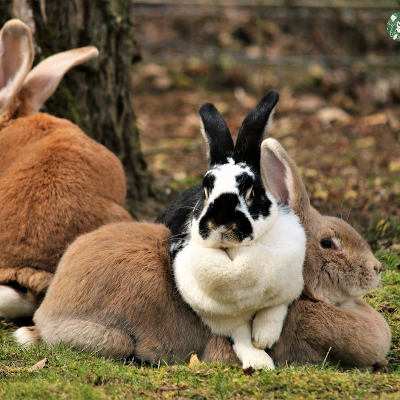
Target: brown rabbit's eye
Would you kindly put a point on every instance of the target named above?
(327, 243)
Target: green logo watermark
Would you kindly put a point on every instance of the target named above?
(393, 26)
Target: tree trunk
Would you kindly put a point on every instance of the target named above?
(96, 96)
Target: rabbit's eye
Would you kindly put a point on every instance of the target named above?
(328, 243)
(208, 184)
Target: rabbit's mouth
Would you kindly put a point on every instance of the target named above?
(364, 286)
(228, 253)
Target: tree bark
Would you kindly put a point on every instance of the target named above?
(96, 96)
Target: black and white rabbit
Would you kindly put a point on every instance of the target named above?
(238, 253)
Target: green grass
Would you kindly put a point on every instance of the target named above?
(70, 374)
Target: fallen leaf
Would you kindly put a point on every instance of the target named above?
(394, 122)
(194, 361)
(375, 119)
(365, 143)
(310, 172)
(382, 225)
(309, 103)
(39, 365)
(321, 194)
(395, 247)
(329, 115)
(351, 195)
(244, 98)
(317, 71)
(394, 165)
(253, 52)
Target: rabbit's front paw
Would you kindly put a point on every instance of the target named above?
(265, 336)
(267, 326)
(256, 359)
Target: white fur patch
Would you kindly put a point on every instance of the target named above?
(26, 336)
(247, 353)
(13, 304)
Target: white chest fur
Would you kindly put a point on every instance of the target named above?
(227, 288)
(248, 278)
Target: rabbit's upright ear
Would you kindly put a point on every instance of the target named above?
(44, 79)
(251, 133)
(281, 177)
(16, 57)
(216, 134)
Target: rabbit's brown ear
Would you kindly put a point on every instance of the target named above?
(44, 79)
(16, 57)
(282, 178)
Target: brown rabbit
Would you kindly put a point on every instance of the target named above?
(55, 182)
(114, 293)
(330, 320)
(122, 299)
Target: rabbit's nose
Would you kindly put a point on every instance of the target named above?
(231, 227)
(378, 267)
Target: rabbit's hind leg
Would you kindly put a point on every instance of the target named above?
(85, 335)
(219, 349)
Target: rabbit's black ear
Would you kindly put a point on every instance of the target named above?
(217, 135)
(251, 133)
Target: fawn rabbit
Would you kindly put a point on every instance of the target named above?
(339, 269)
(55, 182)
(142, 314)
(330, 320)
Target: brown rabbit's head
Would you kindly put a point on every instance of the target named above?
(339, 263)
(24, 90)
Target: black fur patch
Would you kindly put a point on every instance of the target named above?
(219, 138)
(247, 148)
(176, 216)
(222, 212)
(208, 182)
(244, 181)
(261, 204)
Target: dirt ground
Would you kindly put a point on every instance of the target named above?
(338, 117)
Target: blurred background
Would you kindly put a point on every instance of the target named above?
(333, 62)
(337, 71)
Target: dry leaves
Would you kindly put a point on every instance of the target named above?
(374, 119)
(39, 365)
(194, 361)
(394, 165)
(244, 98)
(329, 115)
